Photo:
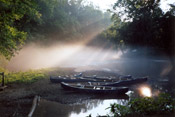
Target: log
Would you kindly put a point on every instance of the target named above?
(34, 104)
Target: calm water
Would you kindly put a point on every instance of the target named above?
(93, 107)
(156, 69)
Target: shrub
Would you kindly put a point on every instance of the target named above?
(163, 104)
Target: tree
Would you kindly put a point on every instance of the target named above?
(145, 24)
(12, 13)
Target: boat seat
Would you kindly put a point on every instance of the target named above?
(90, 83)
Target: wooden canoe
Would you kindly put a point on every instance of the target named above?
(94, 89)
(133, 81)
(120, 77)
(114, 84)
(80, 78)
(58, 79)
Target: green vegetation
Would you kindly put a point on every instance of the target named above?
(43, 20)
(143, 23)
(24, 77)
(12, 13)
(162, 105)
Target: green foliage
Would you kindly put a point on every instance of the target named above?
(163, 104)
(12, 15)
(114, 33)
(136, 9)
(119, 110)
(24, 77)
(142, 23)
(22, 20)
(66, 17)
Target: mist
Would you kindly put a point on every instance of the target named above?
(85, 48)
(34, 56)
(84, 56)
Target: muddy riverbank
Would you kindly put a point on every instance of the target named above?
(16, 99)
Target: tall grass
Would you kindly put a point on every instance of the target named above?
(23, 77)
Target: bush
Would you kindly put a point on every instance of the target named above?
(163, 104)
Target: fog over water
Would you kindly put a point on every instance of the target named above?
(85, 57)
(70, 55)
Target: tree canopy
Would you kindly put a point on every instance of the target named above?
(12, 13)
(142, 23)
(31, 20)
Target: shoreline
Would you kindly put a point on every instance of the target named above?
(16, 99)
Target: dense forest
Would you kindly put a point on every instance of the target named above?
(143, 23)
(24, 21)
(140, 23)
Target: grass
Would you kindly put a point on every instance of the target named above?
(24, 77)
(32, 76)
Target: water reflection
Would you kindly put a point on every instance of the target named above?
(100, 109)
(94, 107)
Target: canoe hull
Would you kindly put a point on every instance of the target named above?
(96, 90)
(127, 82)
(62, 79)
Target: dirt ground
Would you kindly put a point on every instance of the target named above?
(16, 99)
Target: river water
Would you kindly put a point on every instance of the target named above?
(94, 107)
(155, 69)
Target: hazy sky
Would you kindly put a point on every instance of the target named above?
(106, 4)
(103, 4)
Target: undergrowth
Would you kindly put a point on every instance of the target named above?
(23, 77)
(164, 104)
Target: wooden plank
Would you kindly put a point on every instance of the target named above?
(34, 104)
